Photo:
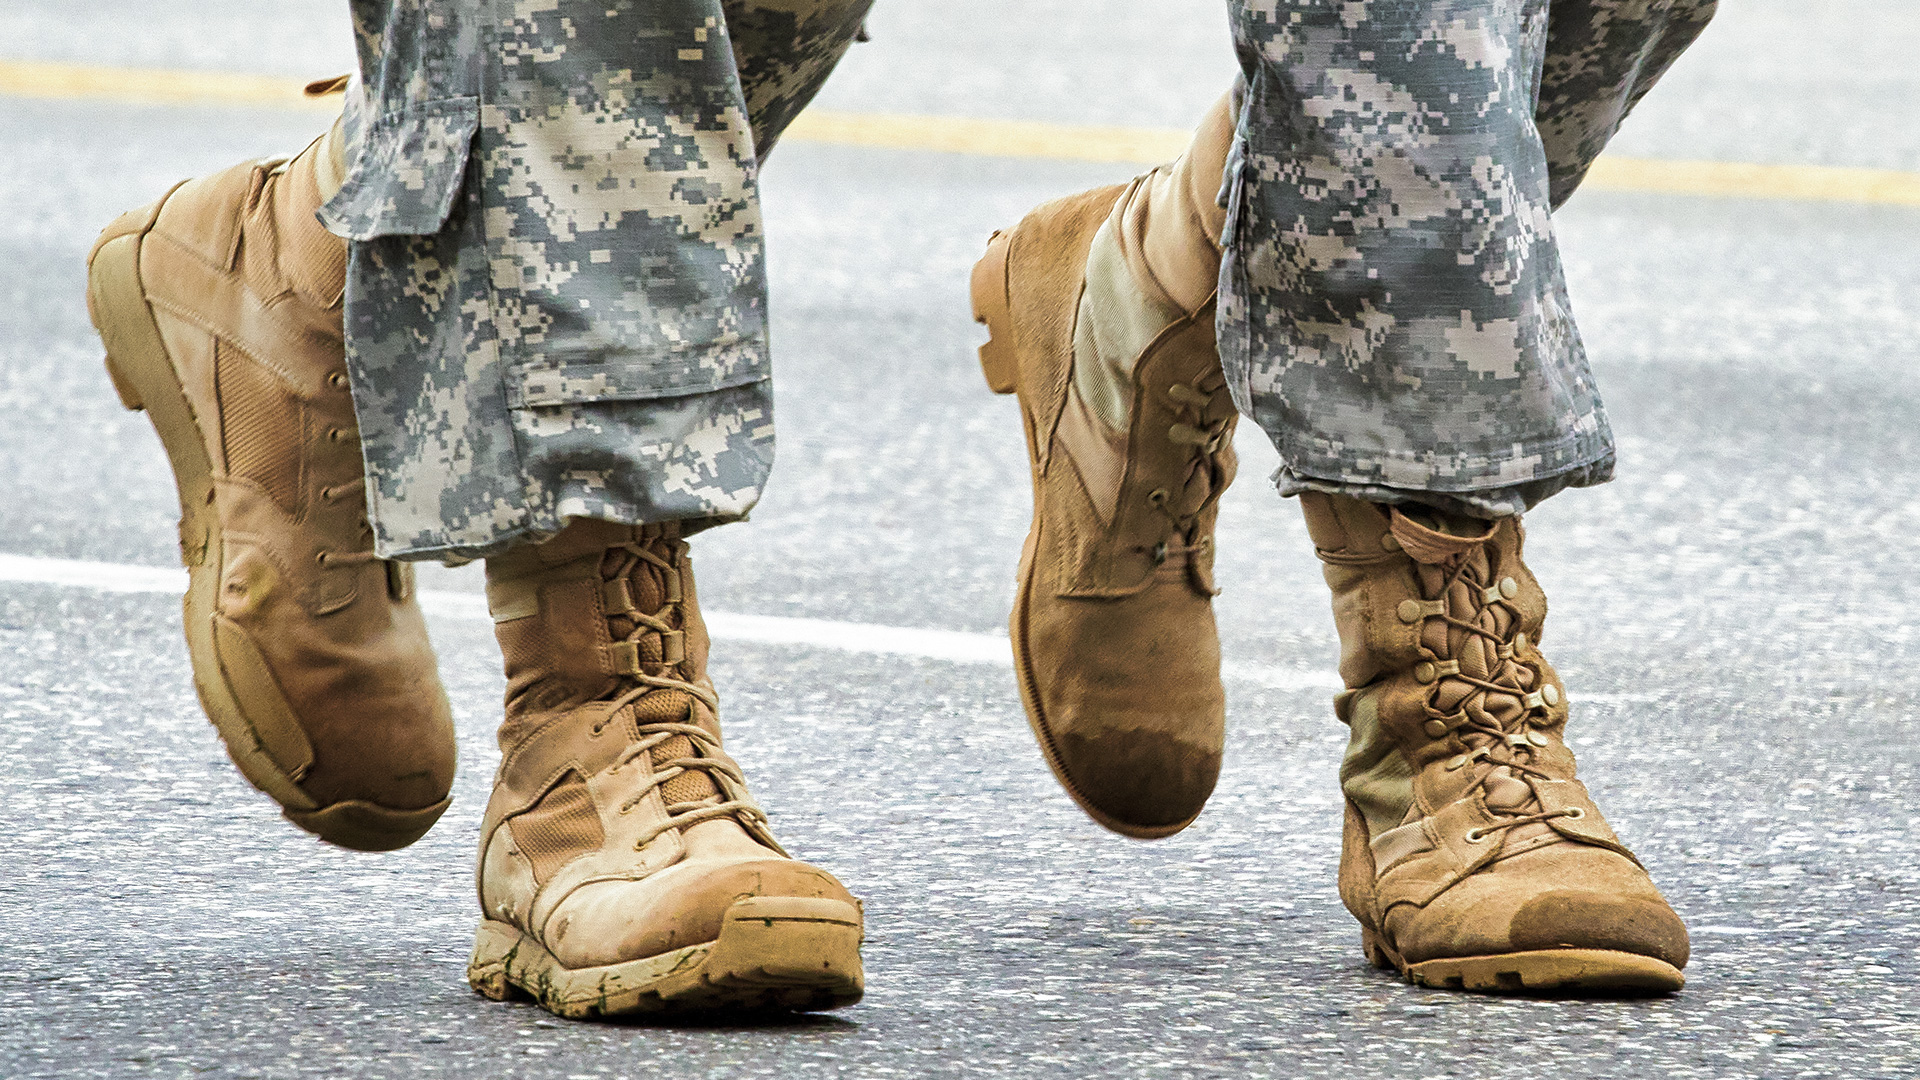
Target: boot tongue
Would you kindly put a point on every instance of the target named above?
(670, 707)
(1454, 558)
(1506, 792)
(313, 260)
(1437, 546)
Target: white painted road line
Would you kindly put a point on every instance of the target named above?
(98, 576)
(951, 646)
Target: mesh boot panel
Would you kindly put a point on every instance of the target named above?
(262, 428)
(560, 827)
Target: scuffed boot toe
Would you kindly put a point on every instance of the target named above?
(613, 922)
(1145, 784)
(1579, 919)
(358, 825)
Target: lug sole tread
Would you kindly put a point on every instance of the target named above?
(1533, 971)
(773, 954)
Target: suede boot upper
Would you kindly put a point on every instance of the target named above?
(221, 309)
(619, 830)
(1113, 630)
(1469, 838)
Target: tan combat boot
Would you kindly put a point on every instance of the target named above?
(623, 867)
(1114, 641)
(220, 307)
(1473, 858)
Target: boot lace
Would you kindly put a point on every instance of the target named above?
(1500, 712)
(1205, 420)
(730, 799)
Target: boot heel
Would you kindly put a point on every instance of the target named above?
(123, 388)
(493, 946)
(112, 267)
(139, 366)
(1377, 954)
(114, 294)
(992, 310)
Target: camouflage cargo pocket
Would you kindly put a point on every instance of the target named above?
(408, 170)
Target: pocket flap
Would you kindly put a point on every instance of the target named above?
(407, 172)
(684, 372)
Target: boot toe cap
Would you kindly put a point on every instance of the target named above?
(1643, 925)
(612, 922)
(1143, 783)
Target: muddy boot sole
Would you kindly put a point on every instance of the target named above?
(773, 953)
(1602, 972)
(146, 380)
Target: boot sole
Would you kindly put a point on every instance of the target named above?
(1000, 363)
(1603, 972)
(145, 379)
(773, 953)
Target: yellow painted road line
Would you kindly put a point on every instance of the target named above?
(1150, 146)
(1732, 179)
(149, 86)
(992, 138)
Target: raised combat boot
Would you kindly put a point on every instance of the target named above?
(1100, 312)
(624, 868)
(1473, 858)
(220, 307)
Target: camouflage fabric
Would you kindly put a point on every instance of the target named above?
(556, 294)
(1393, 312)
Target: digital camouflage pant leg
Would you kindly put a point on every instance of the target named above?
(556, 296)
(1392, 307)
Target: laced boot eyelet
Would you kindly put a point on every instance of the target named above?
(1159, 553)
(1189, 395)
(1474, 836)
(337, 380)
(321, 557)
(1573, 813)
(1158, 496)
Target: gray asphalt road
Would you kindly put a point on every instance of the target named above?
(1737, 617)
